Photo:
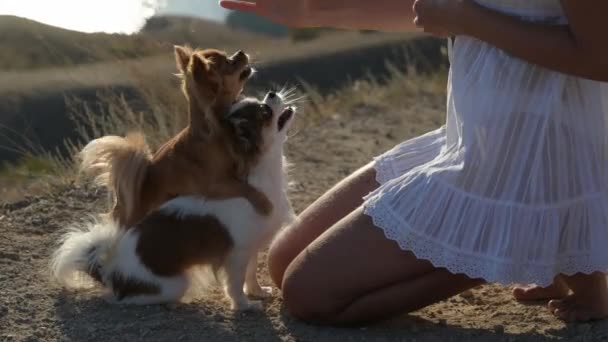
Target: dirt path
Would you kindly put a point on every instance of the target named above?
(34, 309)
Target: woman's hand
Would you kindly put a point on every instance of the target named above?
(291, 13)
(381, 15)
(440, 17)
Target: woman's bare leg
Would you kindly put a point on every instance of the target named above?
(338, 202)
(353, 274)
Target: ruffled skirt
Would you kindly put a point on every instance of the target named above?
(514, 187)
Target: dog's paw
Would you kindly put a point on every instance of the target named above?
(247, 306)
(259, 292)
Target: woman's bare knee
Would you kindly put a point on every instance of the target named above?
(303, 299)
(295, 298)
(341, 200)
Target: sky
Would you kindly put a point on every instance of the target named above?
(122, 16)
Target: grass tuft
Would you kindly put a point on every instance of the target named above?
(161, 113)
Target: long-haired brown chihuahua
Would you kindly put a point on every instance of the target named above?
(200, 160)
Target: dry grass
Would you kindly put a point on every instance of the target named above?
(163, 114)
(27, 45)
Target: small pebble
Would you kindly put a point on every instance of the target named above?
(467, 294)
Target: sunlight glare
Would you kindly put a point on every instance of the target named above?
(123, 16)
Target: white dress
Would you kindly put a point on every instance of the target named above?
(514, 187)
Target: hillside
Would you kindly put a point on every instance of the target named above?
(27, 44)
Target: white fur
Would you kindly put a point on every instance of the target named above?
(250, 231)
(71, 260)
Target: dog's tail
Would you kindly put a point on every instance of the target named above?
(85, 250)
(119, 163)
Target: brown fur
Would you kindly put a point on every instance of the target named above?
(200, 160)
(211, 83)
(194, 240)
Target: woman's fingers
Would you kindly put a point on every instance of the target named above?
(237, 5)
(275, 10)
(426, 20)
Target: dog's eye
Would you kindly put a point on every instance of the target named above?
(267, 110)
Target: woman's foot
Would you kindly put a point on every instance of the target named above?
(557, 290)
(589, 300)
(576, 309)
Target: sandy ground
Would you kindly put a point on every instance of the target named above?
(32, 308)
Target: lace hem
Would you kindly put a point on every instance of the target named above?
(496, 253)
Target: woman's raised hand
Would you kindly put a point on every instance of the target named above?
(291, 13)
(440, 17)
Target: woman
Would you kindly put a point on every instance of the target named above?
(513, 189)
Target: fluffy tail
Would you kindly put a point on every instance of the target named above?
(101, 253)
(84, 251)
(119, 164)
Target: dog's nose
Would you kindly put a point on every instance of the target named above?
(240, 55)
(272, 95)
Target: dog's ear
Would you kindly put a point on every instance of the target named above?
(182, 58)
(207, 79)
(243, 134)
(246, 128)
(200, 68)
